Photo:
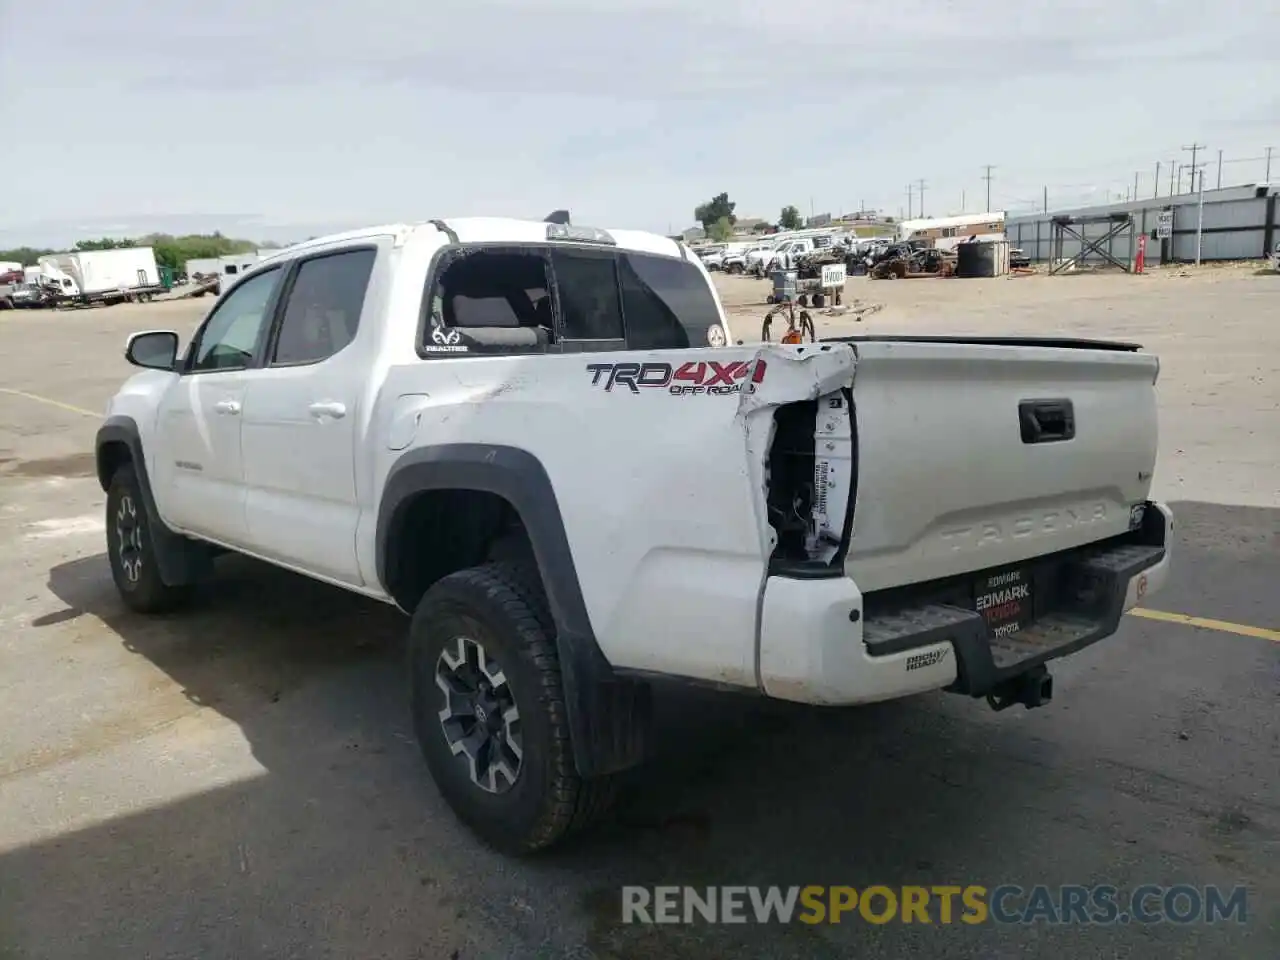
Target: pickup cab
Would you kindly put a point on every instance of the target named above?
(540, 441)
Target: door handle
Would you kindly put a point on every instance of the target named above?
(229, 407)
(1046, 421)
(328, 408)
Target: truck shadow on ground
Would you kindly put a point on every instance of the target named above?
(343, 847)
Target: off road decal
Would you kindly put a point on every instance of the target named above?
(694, 378)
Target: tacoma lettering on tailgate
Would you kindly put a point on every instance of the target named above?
(991, 532)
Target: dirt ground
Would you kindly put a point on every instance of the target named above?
(240, 779)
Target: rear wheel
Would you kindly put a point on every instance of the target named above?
(131, 549)
(489, 710)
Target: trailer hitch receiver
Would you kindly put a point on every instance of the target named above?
(1031, 689)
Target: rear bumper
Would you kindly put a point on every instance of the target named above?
(823, 642)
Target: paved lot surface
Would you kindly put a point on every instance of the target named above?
(240, 780)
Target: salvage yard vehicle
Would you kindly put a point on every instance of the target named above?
(538, 440)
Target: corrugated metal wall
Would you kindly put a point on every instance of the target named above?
(1235, 227)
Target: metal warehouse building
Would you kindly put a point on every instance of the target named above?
(1240, 223)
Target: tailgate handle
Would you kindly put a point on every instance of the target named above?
(1046, 421)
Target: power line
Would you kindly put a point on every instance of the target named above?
(921, 183)
(987, 177)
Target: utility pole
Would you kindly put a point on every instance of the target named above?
(910, 194)
(1135, 185)
(1219, 169)
(987, 177)
(962, 203)
(1194, 148)
(1156, 190)
(1172, 171)
(1046, 199)
(921, 183)
(1199, 216)
(1267, 179)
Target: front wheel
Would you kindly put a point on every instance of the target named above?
(489, 710)
(131, 549)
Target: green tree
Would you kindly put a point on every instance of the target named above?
(106, 243)
(27, 256)
(789, 219)
(719, 207)
(721, 230)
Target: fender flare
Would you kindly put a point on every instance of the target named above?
(180, 560)
(607, 712)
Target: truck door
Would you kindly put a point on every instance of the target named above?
(199, 478)
(302, 419)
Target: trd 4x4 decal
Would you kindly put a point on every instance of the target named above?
(695, 378)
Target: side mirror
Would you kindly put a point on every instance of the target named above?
(153, 349)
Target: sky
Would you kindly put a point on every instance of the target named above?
(281, 119)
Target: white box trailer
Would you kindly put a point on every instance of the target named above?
(108, 276)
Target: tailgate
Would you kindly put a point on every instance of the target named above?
(973, 455)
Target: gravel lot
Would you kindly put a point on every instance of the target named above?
(240, 780)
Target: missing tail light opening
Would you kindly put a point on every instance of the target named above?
(811, 478)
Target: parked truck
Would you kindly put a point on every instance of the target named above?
(541, 442)
(107, 276)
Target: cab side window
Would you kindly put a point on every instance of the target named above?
(229, 338)
(323, 306)
(590, 304)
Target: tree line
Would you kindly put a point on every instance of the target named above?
(718, 218)
(170, 251)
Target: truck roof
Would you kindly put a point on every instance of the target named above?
(482, 230)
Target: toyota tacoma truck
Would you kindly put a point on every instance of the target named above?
(542, 442)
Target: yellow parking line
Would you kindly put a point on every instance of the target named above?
(53, 403)
(1222, 626)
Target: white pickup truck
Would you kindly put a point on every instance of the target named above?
(539, 440)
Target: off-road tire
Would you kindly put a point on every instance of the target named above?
(135, 569)
(503, 606)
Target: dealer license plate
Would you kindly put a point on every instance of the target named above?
(1005, 601)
